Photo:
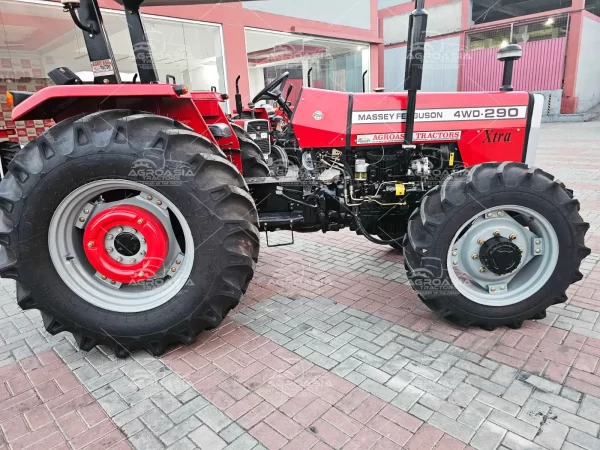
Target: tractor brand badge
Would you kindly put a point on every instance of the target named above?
(318, 115)
(419, 136)
(492, 137)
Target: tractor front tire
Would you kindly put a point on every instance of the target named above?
(151, 165)
(494, 245)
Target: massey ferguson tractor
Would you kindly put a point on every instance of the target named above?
(134, 221)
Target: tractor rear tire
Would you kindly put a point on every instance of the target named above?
(438, 233)
(253, 162)
(108, 147)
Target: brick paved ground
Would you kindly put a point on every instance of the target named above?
(329, 349)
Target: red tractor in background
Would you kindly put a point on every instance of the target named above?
(134, 221)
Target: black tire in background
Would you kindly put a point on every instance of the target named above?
(253, 162)
(446, 208)
(105, 145)
(8, 150)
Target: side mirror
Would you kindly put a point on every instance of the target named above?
(509, 55)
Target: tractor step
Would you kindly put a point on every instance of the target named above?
(276, 220)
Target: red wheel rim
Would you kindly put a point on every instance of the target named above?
(126, 216)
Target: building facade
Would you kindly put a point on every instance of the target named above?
(560, 40)
(205, 47)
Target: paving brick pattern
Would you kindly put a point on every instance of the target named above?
(329, 349)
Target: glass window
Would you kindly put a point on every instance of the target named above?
(483, 11)
(593, 6)
(548, 28)
(333, 64)
(41, 35)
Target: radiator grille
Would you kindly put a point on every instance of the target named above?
(258, 131)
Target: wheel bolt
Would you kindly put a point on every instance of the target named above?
(521, 249)
(455, 263)
(474, 256)
(86, 211)
(178, 262)
(104, 277)
(158, 202)
(143, 253)
(90, 244)
(512, 237)
(132, 260)
(149, 197)
(140, 221)
(502, 288)
(482, 269)
(496, 232)
(538, 242)
(173, 269)
(490, 214)
(500, 213)
(537, 250)
(143, 241)
(493, 289)
(109, 237)
(81, 219)
(119, 259)
(113, 282)
(109, 249)
(481, 241)
(134, 230)
(120, 230)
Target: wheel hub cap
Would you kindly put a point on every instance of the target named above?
(126, 244)
(499, 255)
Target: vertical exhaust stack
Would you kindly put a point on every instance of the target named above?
(309, 76)
(413, 75)
(365, 80)
(509, 55)
(239, 106)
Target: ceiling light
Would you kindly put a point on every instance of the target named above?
(549, 22)
(504, 43)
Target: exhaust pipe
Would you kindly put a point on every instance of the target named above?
(365, 81)
(509, 55)
(413, 74)
(309, 76)
(239, 106)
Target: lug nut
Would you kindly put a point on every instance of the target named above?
(474, 256)
(86, 211)
(537, 250)
(90, 244)
(109, 249)
(512, 237)
(538, 242)
(119, 259)
(496, 232)
(81, 219)
(140, 221)
(500, 213)
(132, 260)
(109, 237)
(482, 269)
(493, 289)
(490, 214)
(113, 282)
(104, 277)
(143, 241)
(149, 197)
(143, 253)
(454, 253)
(455, 263)
(178, 262)
(173, 269)
(120, 230)
(158, 202)
(481, 241)
(502, 288)
(133, 230)
(521, 249)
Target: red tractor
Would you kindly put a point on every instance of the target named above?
(134, 221)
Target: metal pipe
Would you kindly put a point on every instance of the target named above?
(365, 81)
(309, 76)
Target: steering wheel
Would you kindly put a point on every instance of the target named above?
(273, 90)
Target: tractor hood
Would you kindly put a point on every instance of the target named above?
(488, 126)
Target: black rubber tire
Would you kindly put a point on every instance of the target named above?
(8, 150)
(461, 196)
(213, 198)
(396, 245)
(253, 162)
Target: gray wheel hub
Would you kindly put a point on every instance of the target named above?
(505, 280)
(65, 243)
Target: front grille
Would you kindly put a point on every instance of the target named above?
(259, 132)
